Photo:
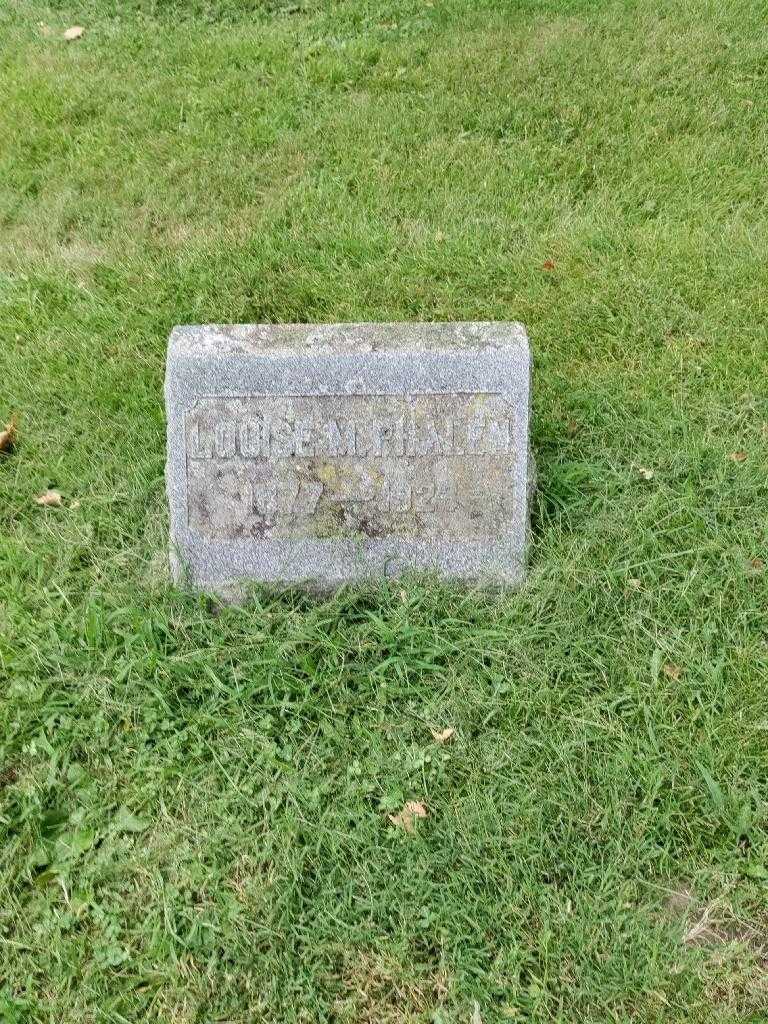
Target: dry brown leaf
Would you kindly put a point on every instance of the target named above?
(757, 564)
(548, 265)
(645, 473)
(737, 456)
(8, 435)
(572, 428)
(672, 671)
(406, 819)
(49, 499)
(75, 32)
(443, 735)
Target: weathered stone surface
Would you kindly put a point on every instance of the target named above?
(323, 454)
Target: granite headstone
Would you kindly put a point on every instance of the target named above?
(322, 454)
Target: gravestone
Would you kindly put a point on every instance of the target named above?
(322, 454)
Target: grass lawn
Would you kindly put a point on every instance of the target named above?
(195, 801)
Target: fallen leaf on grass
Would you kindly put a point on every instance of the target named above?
(443, 735)
(475, 1018)
(737, 456)
(406, 819)
(49, 499)
(8, 436)
(645, 473)
(633, 583)
(548, 265)
(756, 564)
(75, 32)
(672, 671)
(572, 428)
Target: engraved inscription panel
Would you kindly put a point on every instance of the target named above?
(426, 466)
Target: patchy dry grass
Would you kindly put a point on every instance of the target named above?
(715, 924)
(376, 989)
